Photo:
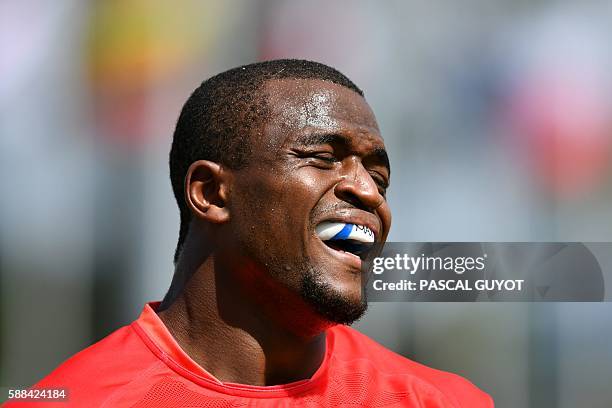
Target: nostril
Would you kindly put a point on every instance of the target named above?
(360, 197)
(352, 199)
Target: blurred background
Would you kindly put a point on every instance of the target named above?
(497, 116)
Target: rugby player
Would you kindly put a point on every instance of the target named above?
(280, 174)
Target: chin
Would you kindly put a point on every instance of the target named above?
(341, 304)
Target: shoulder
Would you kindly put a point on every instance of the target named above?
(94, 373)
(123, 349)
(355, 349)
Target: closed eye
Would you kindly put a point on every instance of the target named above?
(381, 183)
(325, 156)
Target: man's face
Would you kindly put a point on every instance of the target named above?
(318, 158)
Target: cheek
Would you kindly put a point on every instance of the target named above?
(296, 198)
(268, 207)
(303, 191)
(299, 188)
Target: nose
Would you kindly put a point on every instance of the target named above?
(358, 188)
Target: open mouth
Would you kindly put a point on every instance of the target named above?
(344, 237)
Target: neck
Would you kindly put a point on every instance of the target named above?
(231, 335)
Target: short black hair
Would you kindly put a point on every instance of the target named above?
(221, 114)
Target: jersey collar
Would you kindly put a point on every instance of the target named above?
(157, 336)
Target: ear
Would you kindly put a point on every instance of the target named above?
(207, 187)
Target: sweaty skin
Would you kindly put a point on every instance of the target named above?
(254, 288)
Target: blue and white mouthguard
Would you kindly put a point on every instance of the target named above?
(337, 231)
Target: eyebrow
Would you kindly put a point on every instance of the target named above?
(334, 138)
(322, 138)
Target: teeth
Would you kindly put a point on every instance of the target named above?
(341, 231)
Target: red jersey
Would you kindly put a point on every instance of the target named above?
(141, 365)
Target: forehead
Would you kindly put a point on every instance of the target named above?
(299, 104)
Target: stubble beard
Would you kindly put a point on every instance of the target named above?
(328, 302)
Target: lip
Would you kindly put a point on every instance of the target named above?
(346, 258)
